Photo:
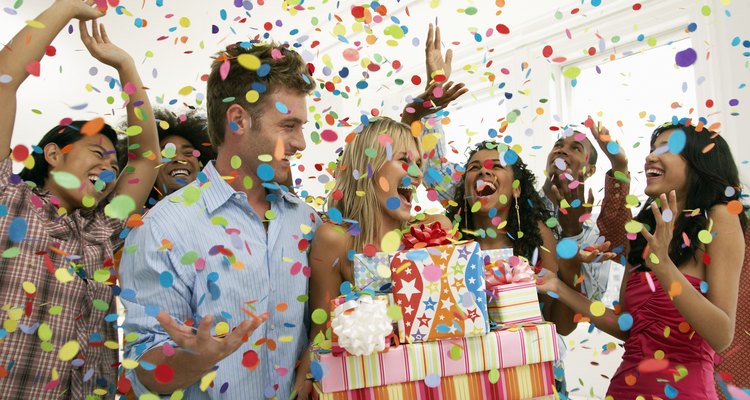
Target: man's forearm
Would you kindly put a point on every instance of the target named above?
(188, 369)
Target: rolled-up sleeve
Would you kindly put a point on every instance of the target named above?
(150, 282)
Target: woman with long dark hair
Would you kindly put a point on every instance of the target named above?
(679, 293)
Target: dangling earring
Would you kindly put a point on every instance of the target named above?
(519, 234)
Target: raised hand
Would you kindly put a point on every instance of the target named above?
(208, 349)
(435, 63)
(571, 219)
(101, 47)
(596, 253)
(547, 281)
(619, 161)
(658, 242)
(436, 97)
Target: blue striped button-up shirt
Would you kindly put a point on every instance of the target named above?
(203, 250)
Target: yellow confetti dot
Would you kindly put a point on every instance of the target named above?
(222, 328)
(252, 96)
(184, 22)
(653, 258)
(44, 332)
(63, 275)
(631, 200)
(111, 344)
(68, 350)
(494, 376)
(206, 380)
(705, 237)
(597, 308)
(659, 354)
(235, 162)
(35, 24)
(476, 206)
(391, 241)
(305, 229)
(270, 215)
(394, 313)
(633, 226)
(384, 271)
(129, 363)
(29, 287)
(286, 339)
(249, 61)
(185, 90)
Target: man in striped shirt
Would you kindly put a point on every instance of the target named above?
(217, 258)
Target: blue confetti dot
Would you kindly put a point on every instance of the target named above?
(107, 176)
(152, 310)
(362, 84)
(393, 203)
(345, 288)
(269, 391)
(596, 3)
(3, 334)
(3, 210)
(265, 172)
(263, 70)
(567, 248)
(625, 321)
(704, 287)
(670, 391)
(316, 369)
(553, 295)
(166, 279)
(692, 27)
(17, 230)
(575, 203)
(233, 126)
(613, 148)
(282, 107)
(335, 215)
(212, 277)
(510, 157)
(127, 294)
(676, 141)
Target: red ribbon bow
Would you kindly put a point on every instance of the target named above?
(425, 236)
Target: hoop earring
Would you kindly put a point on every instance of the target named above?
(519, 234)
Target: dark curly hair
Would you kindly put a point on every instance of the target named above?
(190, 126)
(531, 207)
(709, 175)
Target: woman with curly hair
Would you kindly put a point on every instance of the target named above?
(679, 293)
(496, 204)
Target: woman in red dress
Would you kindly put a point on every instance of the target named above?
(679, 293)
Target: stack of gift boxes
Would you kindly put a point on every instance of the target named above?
(469, 327)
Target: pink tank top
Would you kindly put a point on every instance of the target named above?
(686, 369)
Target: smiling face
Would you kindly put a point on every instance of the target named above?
(570, 154)
(181, 169)
(277, 133)
(488, 181)
(92, 160)
(397, 179)
(665, 171)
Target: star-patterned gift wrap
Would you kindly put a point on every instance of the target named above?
(373, 272)
(497, 350)
(440, 290)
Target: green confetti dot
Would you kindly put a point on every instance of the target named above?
(319, 316)
(247, 182)
(219, 220)
(191, 195)
(47, 347)
(101, 305)
(235, 162)
(493, 376)
(270, 215)
(266, 158)
(654, 259)
(631, 200)
(370, 152)
(88, 201)
(66, 180)
(131, 337)
(651, 41)
(12, 252)
(55, 310)
(621, 176)
(101, 275)
(44, 332)
(120, 207)
(705, 237)
(571, 72)
(394, 313)
(455, 353)
(189, 257)
(476, 206)
(706, 11)
(134, 130)
(413, 170)
(551, 222)
(130, 249)
(470, 11)
(302, 298)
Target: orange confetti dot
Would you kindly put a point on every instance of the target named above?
(684, 327)
(675, 289)
(281, 307)
(93, 127)
(384, 185)
(708, 147)
(630, 380)
(734, 207)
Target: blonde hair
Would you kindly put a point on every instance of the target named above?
(365, 209)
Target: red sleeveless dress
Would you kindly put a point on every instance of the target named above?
(686, 370)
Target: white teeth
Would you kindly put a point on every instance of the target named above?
(654, 172)
(480, 184)
(179, 172)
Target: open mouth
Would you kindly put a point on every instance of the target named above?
(484, 188)
(654, 172)
(179, 172)
(405, 192)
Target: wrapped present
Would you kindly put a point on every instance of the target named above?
(373, 272)
(440, 290)
(449, 357)
(535, 381)
(495, 256)
(513, 294)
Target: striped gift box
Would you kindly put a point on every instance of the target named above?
(514, 303)
(535, 381)
(448, 357)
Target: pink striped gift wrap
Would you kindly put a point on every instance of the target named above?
(518, 345)
(535, 381)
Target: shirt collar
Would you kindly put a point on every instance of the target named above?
(220, 191)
